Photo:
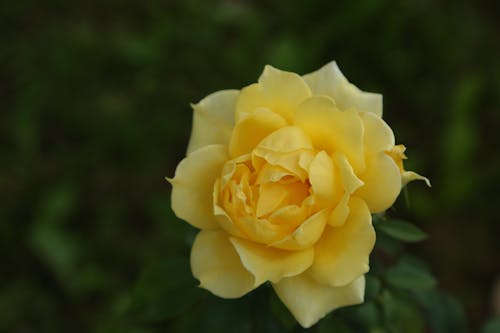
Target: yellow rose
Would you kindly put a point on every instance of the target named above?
(281, 178)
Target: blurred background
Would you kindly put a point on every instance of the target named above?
(94, 100)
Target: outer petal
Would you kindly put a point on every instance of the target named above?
(310, 301)
(216, 264)
(250, 99)
(378, 135)
(342, 254)
(277, 90)
(382, 183)
(213, 119)
(333, 130)
(330, 81)
(268, 264)
(193, 186)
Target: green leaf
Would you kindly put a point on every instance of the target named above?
(492, 326)
(368, 315)
(406, 275)
(165, 289)
(388, 244)
(401, 314)
(373, 286)
(332, 324)
(227, 315)
(401, 230)
(444, 314)
(281, 313)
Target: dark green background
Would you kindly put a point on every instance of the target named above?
(94, 113)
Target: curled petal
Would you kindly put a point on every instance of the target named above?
(251, 130)
(340, 212)
(276, 195)
(213, 119)
(261, 230)
(330, 81)
(350, 181)
(226, 223)
(292, 215)
(287, 148)
(409, 176)
(286, 140)
(342, 253)
(270, 264)
(309, 301)
(216, 264)
(273, 173)
(306, 235)
(192, 186)
(398, 155)
(322, 176)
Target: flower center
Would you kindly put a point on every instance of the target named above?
(260, 196)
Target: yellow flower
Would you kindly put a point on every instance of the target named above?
(281, 178)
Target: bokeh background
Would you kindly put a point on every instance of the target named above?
(94, 113)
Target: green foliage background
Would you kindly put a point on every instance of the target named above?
(94, 113)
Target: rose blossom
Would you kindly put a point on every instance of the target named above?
(282, 177)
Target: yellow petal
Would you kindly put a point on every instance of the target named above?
(292, 215)
(332, 130)
(340, 212)
(342, 254)
(323, 180)
(397, 153)
(276, 195)
(274, 173)
(213, 119)
(306, 234)
(277, 90)
(285, 90)
(268, 264)
(310, 301)
(350, 182)
(378, 135)
(251, 98)
(330, 81)
(382, 183)
(409, 176)
(218, 267)
(285, 140)
(193, 185)
(271, 197)
(251, 130)
(230, 168)
(261, 230)
(226, 223)
(287, 148)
